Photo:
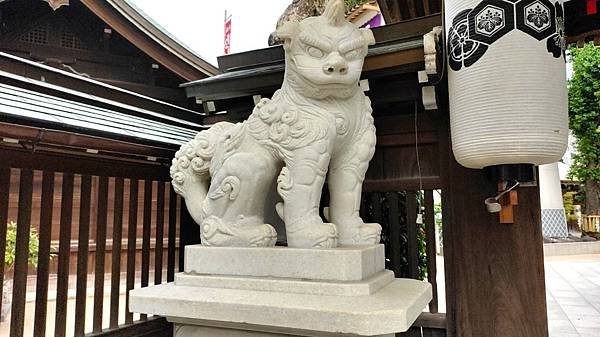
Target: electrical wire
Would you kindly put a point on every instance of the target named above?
(417, 146)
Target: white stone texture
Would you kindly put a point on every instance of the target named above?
(392, 309)
(183, 330)
(233, 176)
(340, 264)
(299, 286)
(319, 123)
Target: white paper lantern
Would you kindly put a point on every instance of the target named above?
(507, 81)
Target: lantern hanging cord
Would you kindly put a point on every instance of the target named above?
(417, 148)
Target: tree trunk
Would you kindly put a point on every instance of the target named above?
(592, 198)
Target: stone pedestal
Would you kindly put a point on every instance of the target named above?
(255, 292)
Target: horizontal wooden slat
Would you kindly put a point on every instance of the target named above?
(430, 320)
(153, 327)
(389, 185)
(64, 138)
(82, 165)
(405, 139)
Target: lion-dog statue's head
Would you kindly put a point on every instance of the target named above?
(325, 54)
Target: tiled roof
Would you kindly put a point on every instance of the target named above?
(20, 105)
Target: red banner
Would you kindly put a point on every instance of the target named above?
(227, 42)
(591, 7)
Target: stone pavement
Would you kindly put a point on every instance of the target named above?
(573, 294)
(572, 288)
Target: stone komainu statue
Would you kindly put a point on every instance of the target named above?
(318, 123)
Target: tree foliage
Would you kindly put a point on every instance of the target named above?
(584, 120)
(352, 3)
(11, 245)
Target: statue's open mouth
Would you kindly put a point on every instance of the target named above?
(333, 84)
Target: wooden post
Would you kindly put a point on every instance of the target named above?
(494, 272)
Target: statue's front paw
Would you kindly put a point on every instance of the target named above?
(265, 236)
(369, 234)
(359, 233)
(313, 235)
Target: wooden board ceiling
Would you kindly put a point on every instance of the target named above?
(400, 10)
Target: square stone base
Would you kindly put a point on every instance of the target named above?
(334, 264)
(270, 292)
(391, 309)
(183, 330)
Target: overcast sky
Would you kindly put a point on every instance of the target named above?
(199, 24)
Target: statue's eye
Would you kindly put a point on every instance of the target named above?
(315, 52)
(353, 54)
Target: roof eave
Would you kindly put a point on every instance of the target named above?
(145, 35)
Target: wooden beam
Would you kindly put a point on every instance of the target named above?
(429, 320)
(390, 60)
(494, 272)
(29, 69)
(80, 141)
(399, 184)
(19, 158)
(153, 327)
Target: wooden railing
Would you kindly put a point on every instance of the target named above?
(87, 207)
(590, 223)
(99, 201)
(398, 213)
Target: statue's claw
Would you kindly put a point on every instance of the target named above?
(215, 232)
(359, 234)
(314, 235)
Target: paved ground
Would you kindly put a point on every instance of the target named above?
(573, 293)
(30, 306)
(572, 285)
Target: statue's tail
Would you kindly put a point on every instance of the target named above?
(190, 170)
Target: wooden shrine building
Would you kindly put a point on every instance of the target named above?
(91, 114)
(94, 114)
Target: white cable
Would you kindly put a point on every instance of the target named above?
(419, 213)
(417, 147)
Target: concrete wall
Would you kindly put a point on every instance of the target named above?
(554, 222)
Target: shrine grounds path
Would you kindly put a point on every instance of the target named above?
(573, 295)
(572, 290)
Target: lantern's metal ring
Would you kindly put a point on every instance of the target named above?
(492, 204)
